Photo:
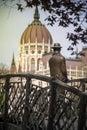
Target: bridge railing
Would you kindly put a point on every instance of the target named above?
(80, 84)
(25, 105)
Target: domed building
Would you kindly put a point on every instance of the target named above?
(34, 52)
(35, 41)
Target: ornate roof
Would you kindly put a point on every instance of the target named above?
(36, 31)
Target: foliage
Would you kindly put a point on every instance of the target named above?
(3, 68)
(66, 13)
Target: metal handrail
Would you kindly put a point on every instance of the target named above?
(54, 85)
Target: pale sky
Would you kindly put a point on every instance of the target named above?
(12, 25)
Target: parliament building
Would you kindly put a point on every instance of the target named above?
(35, 49)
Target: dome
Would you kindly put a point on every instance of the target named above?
(36, 32)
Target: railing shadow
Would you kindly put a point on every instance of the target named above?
(25, 105)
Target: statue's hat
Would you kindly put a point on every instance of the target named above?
(56, 45)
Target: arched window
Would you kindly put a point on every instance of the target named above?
(38, 64)
(32, 64)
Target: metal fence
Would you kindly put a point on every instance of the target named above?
(29, 106)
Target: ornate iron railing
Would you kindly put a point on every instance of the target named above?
(26, 105)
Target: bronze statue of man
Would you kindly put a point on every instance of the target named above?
(57, 64)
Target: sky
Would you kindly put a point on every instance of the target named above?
(12, 25)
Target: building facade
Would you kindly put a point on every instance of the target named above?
(76, 67)
(35, 41)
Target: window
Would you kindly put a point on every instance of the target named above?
(26, 52)
(79, 73)
(46, 49)
(32, 64)
(32, 49)
(73, 73)
(39, 48)
(38, 64)
(26, 47)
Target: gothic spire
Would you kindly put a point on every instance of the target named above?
(36, 15)
(13, 61)
(13, 66)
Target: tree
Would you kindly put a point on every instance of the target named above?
(66, 13)
(3, 68)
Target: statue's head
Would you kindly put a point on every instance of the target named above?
(57, 46)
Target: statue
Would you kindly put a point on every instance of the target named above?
(57, 64)
(57, 71)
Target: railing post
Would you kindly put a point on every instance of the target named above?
(83, 87)
(26, 106)
(82, 112)
(52, 107)
(5, 125)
